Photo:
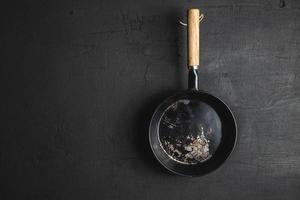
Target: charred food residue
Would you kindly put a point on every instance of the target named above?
(187, 149)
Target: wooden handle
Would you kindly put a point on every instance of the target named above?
(193, 30)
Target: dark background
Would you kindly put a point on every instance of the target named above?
(80, 80)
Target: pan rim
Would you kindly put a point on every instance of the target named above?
(181, 93)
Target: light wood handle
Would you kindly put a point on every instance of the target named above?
(193, 29)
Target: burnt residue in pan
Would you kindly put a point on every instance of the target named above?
(189, 131)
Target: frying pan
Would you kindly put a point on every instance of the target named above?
(190, 116)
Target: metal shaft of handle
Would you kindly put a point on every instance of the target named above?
(193, 79)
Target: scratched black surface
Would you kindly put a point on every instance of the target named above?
(80, 80)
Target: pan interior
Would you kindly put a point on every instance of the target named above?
(189, 131)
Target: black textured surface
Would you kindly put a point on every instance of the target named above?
(80, 80)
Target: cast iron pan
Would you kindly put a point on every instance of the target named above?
(192, 133)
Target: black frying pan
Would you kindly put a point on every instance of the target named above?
(192, 133)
